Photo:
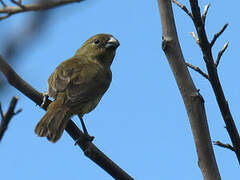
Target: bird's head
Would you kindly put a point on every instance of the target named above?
(101, 47)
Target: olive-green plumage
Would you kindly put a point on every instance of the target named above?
(78, 84)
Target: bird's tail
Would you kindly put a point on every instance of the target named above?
(53, 122)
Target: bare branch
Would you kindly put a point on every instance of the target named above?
(218, 34)
(8, 116)
(213, 75)
(3, 3)
(18, 3)
(195, 37)
(10, 10)
(221, 53)
(205, 11)
(197, 69)
(228, 146)
(193, 101)
(182, 7)
(89, 149)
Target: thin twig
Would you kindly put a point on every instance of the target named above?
(197, 69)
(228, 146)
(89, 149)
(221, 53)
(195, 37)
(8, 116)
(184, 8)
(18, 3)
(205, 11)
(218, 34)
(3, 3)
(10, 10)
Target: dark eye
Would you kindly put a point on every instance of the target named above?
(96, 41)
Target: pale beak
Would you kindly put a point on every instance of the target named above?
(112, 43)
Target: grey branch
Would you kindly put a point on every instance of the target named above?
(193, 101)
(221, 53)
(220, 144)
(6, 117)
(10, 10)
(182, 7)
(197, 69)
(205, 11)
(218, 34)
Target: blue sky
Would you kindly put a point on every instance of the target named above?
(141, 122)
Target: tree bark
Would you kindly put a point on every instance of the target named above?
(194, 103)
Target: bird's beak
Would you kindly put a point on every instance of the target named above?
(112, 43)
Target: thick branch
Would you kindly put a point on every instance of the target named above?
(213, 76)
(192, 99)
(89, 149)
(10, 10)
(8, 116)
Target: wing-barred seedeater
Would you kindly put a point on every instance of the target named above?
(78, 84)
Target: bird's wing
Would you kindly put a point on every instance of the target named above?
(81, 81)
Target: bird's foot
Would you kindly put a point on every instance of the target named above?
(45, 98)
(86, 137)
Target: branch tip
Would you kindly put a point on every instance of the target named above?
(205, 11)
(220, 53)
(197, 69)
(218, 34)
(227, 146)
(184, 8)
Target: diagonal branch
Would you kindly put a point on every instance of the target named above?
(197, 69)
(218, 34)
(8, 116)
(18, 4)
(89, 149)
(221, 53)
(182, 7)
(10, 10)
(220, 144)
(3, 3)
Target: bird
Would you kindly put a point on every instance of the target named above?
(77, 85)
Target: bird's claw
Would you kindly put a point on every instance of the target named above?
(45, 98)
(87, 137)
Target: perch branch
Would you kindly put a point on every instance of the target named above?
(89, 149)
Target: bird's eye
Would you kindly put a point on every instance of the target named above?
(96, 41)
